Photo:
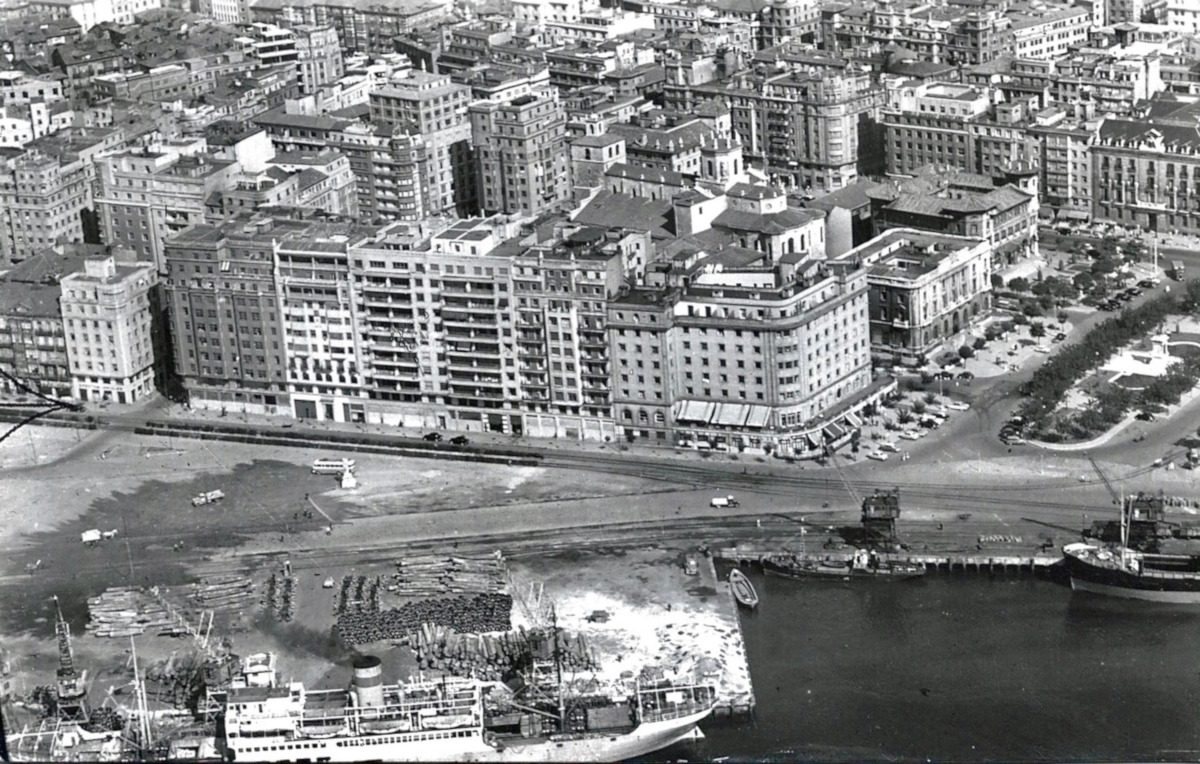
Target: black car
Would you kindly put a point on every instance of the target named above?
(1145, 416)
(432, 437)
(946, 375)
(1133, 292)
(458, 440)
(966, 375)
(1147, 284)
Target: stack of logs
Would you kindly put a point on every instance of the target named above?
(492, 656)
(431, 575)
(125, 612)
(223, 593)
(281, 597)
(481, 613)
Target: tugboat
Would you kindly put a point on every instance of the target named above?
(743, 590)
(863, 565)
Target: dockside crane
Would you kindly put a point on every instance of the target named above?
(1140, 520)
(880, 511)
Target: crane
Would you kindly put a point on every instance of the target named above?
(1118, 498)
(880, 510)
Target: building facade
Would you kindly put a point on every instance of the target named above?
(108, 313)
(521, 153)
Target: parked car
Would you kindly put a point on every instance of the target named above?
(910, 435)
(1060, 337)
(1015, 440)
(1041, 349)
(966, 375)
(945, 375)
(888, 445)
(958, 405)
(460, 440)
(878, 456)
(1145, 416)
(432, 437)
(1147, 283)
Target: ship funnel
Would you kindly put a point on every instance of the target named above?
(368, 680)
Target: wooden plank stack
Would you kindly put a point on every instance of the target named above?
(223, 593)
(125, 612)
(432, 575)
(479, 614)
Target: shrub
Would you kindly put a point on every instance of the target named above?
(980, 343)
(918, 407)
(966, 351)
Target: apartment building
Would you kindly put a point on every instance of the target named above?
(146, 196)
(363, 27)
(321, 181)
(1065, 161)
(46, 192)
(33, 345)
(927, 123)
(812, 129)
(390, 170)
(1147, 170)
(1050, 34)
(109, 311)
(20, 89)
(742, 351)
(926, 290)
(433, 107)
(521, 155)
(318, 56)
(1183, 15)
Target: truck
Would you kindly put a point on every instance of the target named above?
(207, 497)
(1177, 270)
(723, 501)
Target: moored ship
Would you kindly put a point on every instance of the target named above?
(863, 565)
(454, 719)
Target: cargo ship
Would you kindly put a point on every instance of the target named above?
(1119, 570)
(452, 719)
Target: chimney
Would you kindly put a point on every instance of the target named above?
(368, 680)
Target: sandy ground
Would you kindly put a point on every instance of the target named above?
(657, 615)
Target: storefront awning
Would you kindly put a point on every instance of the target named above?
(813, 439)
(853, 420)
(1073, 215)
(731, 414)
(833, 432)
(695, 411)
(759, 416)
(1046, 213)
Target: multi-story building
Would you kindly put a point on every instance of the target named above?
(146, 196)
(928, 123)
(46, 192)
(742, 350)
(322, 182)
(108, 313)
(521, 154)
(20, 89)
(228, 11)
(363, 27)
(272, 45)
(1050, 34)
(926, 289)
(1183, 15)
(1000, 138)
(1146, 170)
(319, 56)
(813, 129)
(33, 346)
(89, 13)
(434, 108)
(1065, 162)
(965, 204)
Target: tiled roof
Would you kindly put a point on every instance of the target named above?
(622, 210)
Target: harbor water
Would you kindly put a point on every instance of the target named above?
(962, 668)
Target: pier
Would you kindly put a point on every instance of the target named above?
(753, 554)
(735, 693)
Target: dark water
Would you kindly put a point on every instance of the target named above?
(963, 668)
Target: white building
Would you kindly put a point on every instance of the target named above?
(107, 318)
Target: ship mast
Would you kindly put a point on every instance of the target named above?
(562, 705)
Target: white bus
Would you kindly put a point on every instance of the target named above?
(332, 466)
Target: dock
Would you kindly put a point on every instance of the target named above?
(735, 694)
(753, 554)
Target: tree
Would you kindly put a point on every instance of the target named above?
(1019, 284)
(997, 281)
(1031, 308)
(918, 407)
(966, 352)
(930, 398)
(904, 417)
(1037, 330)
(979, 344)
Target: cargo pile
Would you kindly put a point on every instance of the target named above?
(476, 615)
(491, 656)
(126, 612)
(432, 575)
(357, 594)
(222, 593)
(281, 597)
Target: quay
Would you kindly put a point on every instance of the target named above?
(753, 554)
(734, 698)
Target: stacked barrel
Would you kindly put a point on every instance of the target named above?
(481, 613)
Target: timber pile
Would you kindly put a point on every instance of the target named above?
(492, 656)
(125, 612)
(431, 575)
(481, 613)
(222, 593)
(357, 594)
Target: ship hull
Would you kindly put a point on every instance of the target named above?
(645, 738)
(1154, 586)
(826, 573)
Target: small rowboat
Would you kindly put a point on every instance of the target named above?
(743, 590)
